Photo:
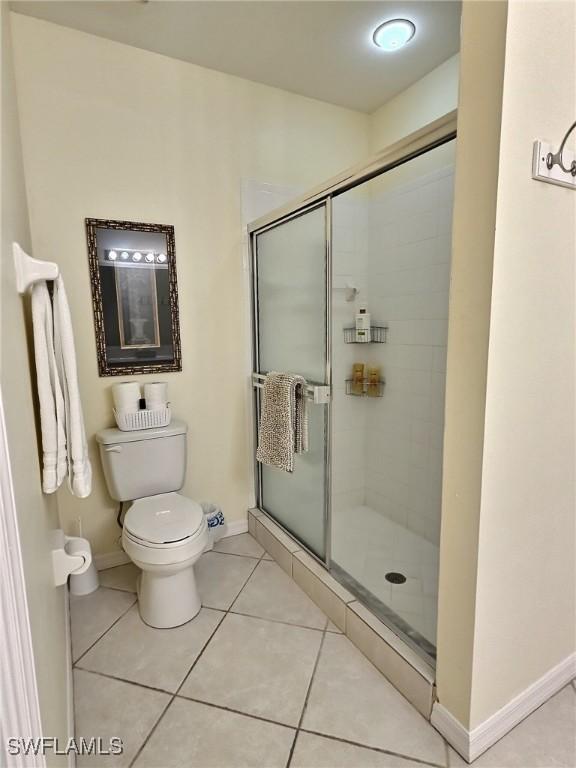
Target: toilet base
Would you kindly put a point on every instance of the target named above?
(168, 600)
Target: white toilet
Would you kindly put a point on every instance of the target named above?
(164, 532)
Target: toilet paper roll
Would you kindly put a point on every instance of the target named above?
(75, 546)
(83, 580)
(126, 397)
(156, 395)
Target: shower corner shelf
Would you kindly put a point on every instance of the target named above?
(365, 388)
(378, 334)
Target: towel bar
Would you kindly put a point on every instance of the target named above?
(318, 393)
(29, 270)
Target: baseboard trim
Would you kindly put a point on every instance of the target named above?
(119, 557)
(110, 559)
(471, 744)
(235, 527)
(452, 729)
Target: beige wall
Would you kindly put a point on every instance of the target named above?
(481, 76)
(525, 604)
(37, 514)
(433, 96)
(112, 131)
(507, 573)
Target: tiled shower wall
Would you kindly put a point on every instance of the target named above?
(395, 246)
(409, 269)
(350, 218)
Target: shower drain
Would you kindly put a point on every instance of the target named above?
(395, 578)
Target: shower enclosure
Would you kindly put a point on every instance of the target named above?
(365, 500)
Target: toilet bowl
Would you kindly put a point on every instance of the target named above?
(164, 533)
(164, 536)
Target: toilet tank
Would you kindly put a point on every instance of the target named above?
(144, 462)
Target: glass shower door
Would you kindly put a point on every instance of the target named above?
(392, 240)
(290, 290)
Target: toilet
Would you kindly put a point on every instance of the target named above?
(164, 532)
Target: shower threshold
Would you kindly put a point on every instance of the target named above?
(383, 612)
(396, 658)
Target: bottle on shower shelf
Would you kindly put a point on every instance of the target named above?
(363, 325)
(357, 386)
(373, 378)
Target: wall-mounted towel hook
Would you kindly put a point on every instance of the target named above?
(30, 271)
(553, 159)
(555, 167)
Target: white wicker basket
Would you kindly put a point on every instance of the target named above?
(128, 422)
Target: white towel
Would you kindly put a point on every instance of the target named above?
(52, 412)
(79, 468)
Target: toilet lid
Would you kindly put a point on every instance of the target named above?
(163, 519)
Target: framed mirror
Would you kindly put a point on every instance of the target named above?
(134, 297)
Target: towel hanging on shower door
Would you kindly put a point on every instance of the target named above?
(283, 430)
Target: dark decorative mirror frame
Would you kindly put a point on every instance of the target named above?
(145, 364)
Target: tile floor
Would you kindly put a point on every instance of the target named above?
(260, 678)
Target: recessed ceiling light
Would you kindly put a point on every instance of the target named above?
(394, 34)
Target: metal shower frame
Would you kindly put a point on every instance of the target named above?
(420, 142)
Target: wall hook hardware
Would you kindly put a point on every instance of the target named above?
(556, 159)
(555, 167)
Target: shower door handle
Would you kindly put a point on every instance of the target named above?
(319, 394)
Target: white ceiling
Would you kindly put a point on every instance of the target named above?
(317, 48)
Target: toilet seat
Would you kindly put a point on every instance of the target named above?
(163, 521)
(164, 530)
